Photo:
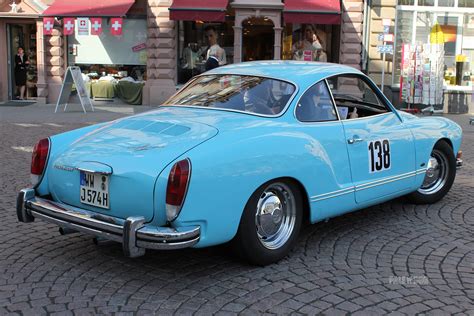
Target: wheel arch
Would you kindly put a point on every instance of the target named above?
(447, 140)
(304, 197)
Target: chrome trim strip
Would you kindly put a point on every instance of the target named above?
(420, 171)
(386, 179)
(332, 100)
(366, 185)
(165, 246)
(168, 234)
(331, 196)
(132, 232)
(367, 117)
(108, 173)
(76, 227)
(69, 213)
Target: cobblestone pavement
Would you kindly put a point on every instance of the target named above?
(395, 257)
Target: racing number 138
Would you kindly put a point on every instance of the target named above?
(379, 155)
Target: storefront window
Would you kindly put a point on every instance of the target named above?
(108, 55)
(453, 29)
(198, 41)
(466, 3)
(310, 42)
(446, 3)
(404, 36)
(426, 2)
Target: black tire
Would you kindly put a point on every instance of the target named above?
(252, 245)
(432, 193)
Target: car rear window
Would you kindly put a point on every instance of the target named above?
(258, 95)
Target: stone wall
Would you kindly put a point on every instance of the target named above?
(380, 9)
(162, 52)
(54, 63)
(351, 33)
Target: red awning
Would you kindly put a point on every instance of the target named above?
(203, 10)
(312, 11)
(84, 8)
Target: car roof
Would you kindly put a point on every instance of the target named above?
(300, 72)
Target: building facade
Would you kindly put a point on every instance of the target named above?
(175, 39)
(434, 34)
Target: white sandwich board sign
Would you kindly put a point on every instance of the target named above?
(73, 75)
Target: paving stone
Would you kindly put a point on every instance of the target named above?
(391, 258)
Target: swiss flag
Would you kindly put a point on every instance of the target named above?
(68, 24)
(96, 26)
(116, 25)
(48, 25)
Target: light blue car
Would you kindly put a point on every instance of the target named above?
(245, 154)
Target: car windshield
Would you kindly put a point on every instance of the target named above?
(251, 94)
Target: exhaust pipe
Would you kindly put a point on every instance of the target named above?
(101, 241)
(66, 231)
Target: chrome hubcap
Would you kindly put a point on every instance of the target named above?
(436, 173)
(275, 215)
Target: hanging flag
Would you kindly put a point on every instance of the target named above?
(48, 25)
(68, 24)
(96, 26)
(82, 26)
(116, 26)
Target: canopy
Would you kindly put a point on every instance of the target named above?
(84, 8)
(203, 10)
(312, 11)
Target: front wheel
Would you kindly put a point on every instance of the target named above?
(270, 223)
(439, 177)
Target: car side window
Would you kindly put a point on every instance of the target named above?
(315, 105)
(354, 97)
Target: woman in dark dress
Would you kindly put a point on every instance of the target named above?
(21, 65)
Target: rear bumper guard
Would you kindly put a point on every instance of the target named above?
(133, 233)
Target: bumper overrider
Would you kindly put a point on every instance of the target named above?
(133, 233)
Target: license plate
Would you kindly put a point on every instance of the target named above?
(94, 189)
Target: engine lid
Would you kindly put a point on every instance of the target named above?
(131, 152)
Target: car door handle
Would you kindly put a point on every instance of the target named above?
(353, 140)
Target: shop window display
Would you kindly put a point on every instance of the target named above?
(198, 42)
(453, 28)
(466, 3)
(308, 42)
(112, 65)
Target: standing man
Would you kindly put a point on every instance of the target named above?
(214, 48)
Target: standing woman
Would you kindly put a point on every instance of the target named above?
(21, 65)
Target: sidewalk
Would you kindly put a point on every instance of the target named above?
(40, 113)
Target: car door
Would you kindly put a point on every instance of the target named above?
(330, 185)
(381, 149)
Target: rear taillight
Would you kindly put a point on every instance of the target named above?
(178, 181)
(38, 160)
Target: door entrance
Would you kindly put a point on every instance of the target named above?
(257, 39)
(22, 35)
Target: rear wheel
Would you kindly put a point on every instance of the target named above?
(439, 177)
(270, 223)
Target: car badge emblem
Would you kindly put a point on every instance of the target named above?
(65, 168)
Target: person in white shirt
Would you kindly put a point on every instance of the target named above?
(214, 48)
(310, 48)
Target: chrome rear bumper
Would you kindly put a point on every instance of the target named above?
(133, 233)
